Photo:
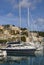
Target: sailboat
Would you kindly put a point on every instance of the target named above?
(24, 48)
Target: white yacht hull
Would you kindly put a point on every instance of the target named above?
(20, 51)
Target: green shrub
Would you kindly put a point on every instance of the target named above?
(3, 41)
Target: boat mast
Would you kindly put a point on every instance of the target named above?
(29, 33)
(28, 17)
(20, 19)
(28, 21)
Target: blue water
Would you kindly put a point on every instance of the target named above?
(37, 59)
(23, 60)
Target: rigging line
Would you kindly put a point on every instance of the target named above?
(30, 24)
(34, 24)
(33, 27)
(33, 21)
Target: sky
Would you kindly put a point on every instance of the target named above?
(12, 10)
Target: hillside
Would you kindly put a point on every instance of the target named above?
(40, 33)
(13, 33)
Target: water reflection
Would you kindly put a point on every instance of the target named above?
(38, 59)
(24, 60)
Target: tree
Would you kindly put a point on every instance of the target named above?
(1, 30)
(23, 38)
